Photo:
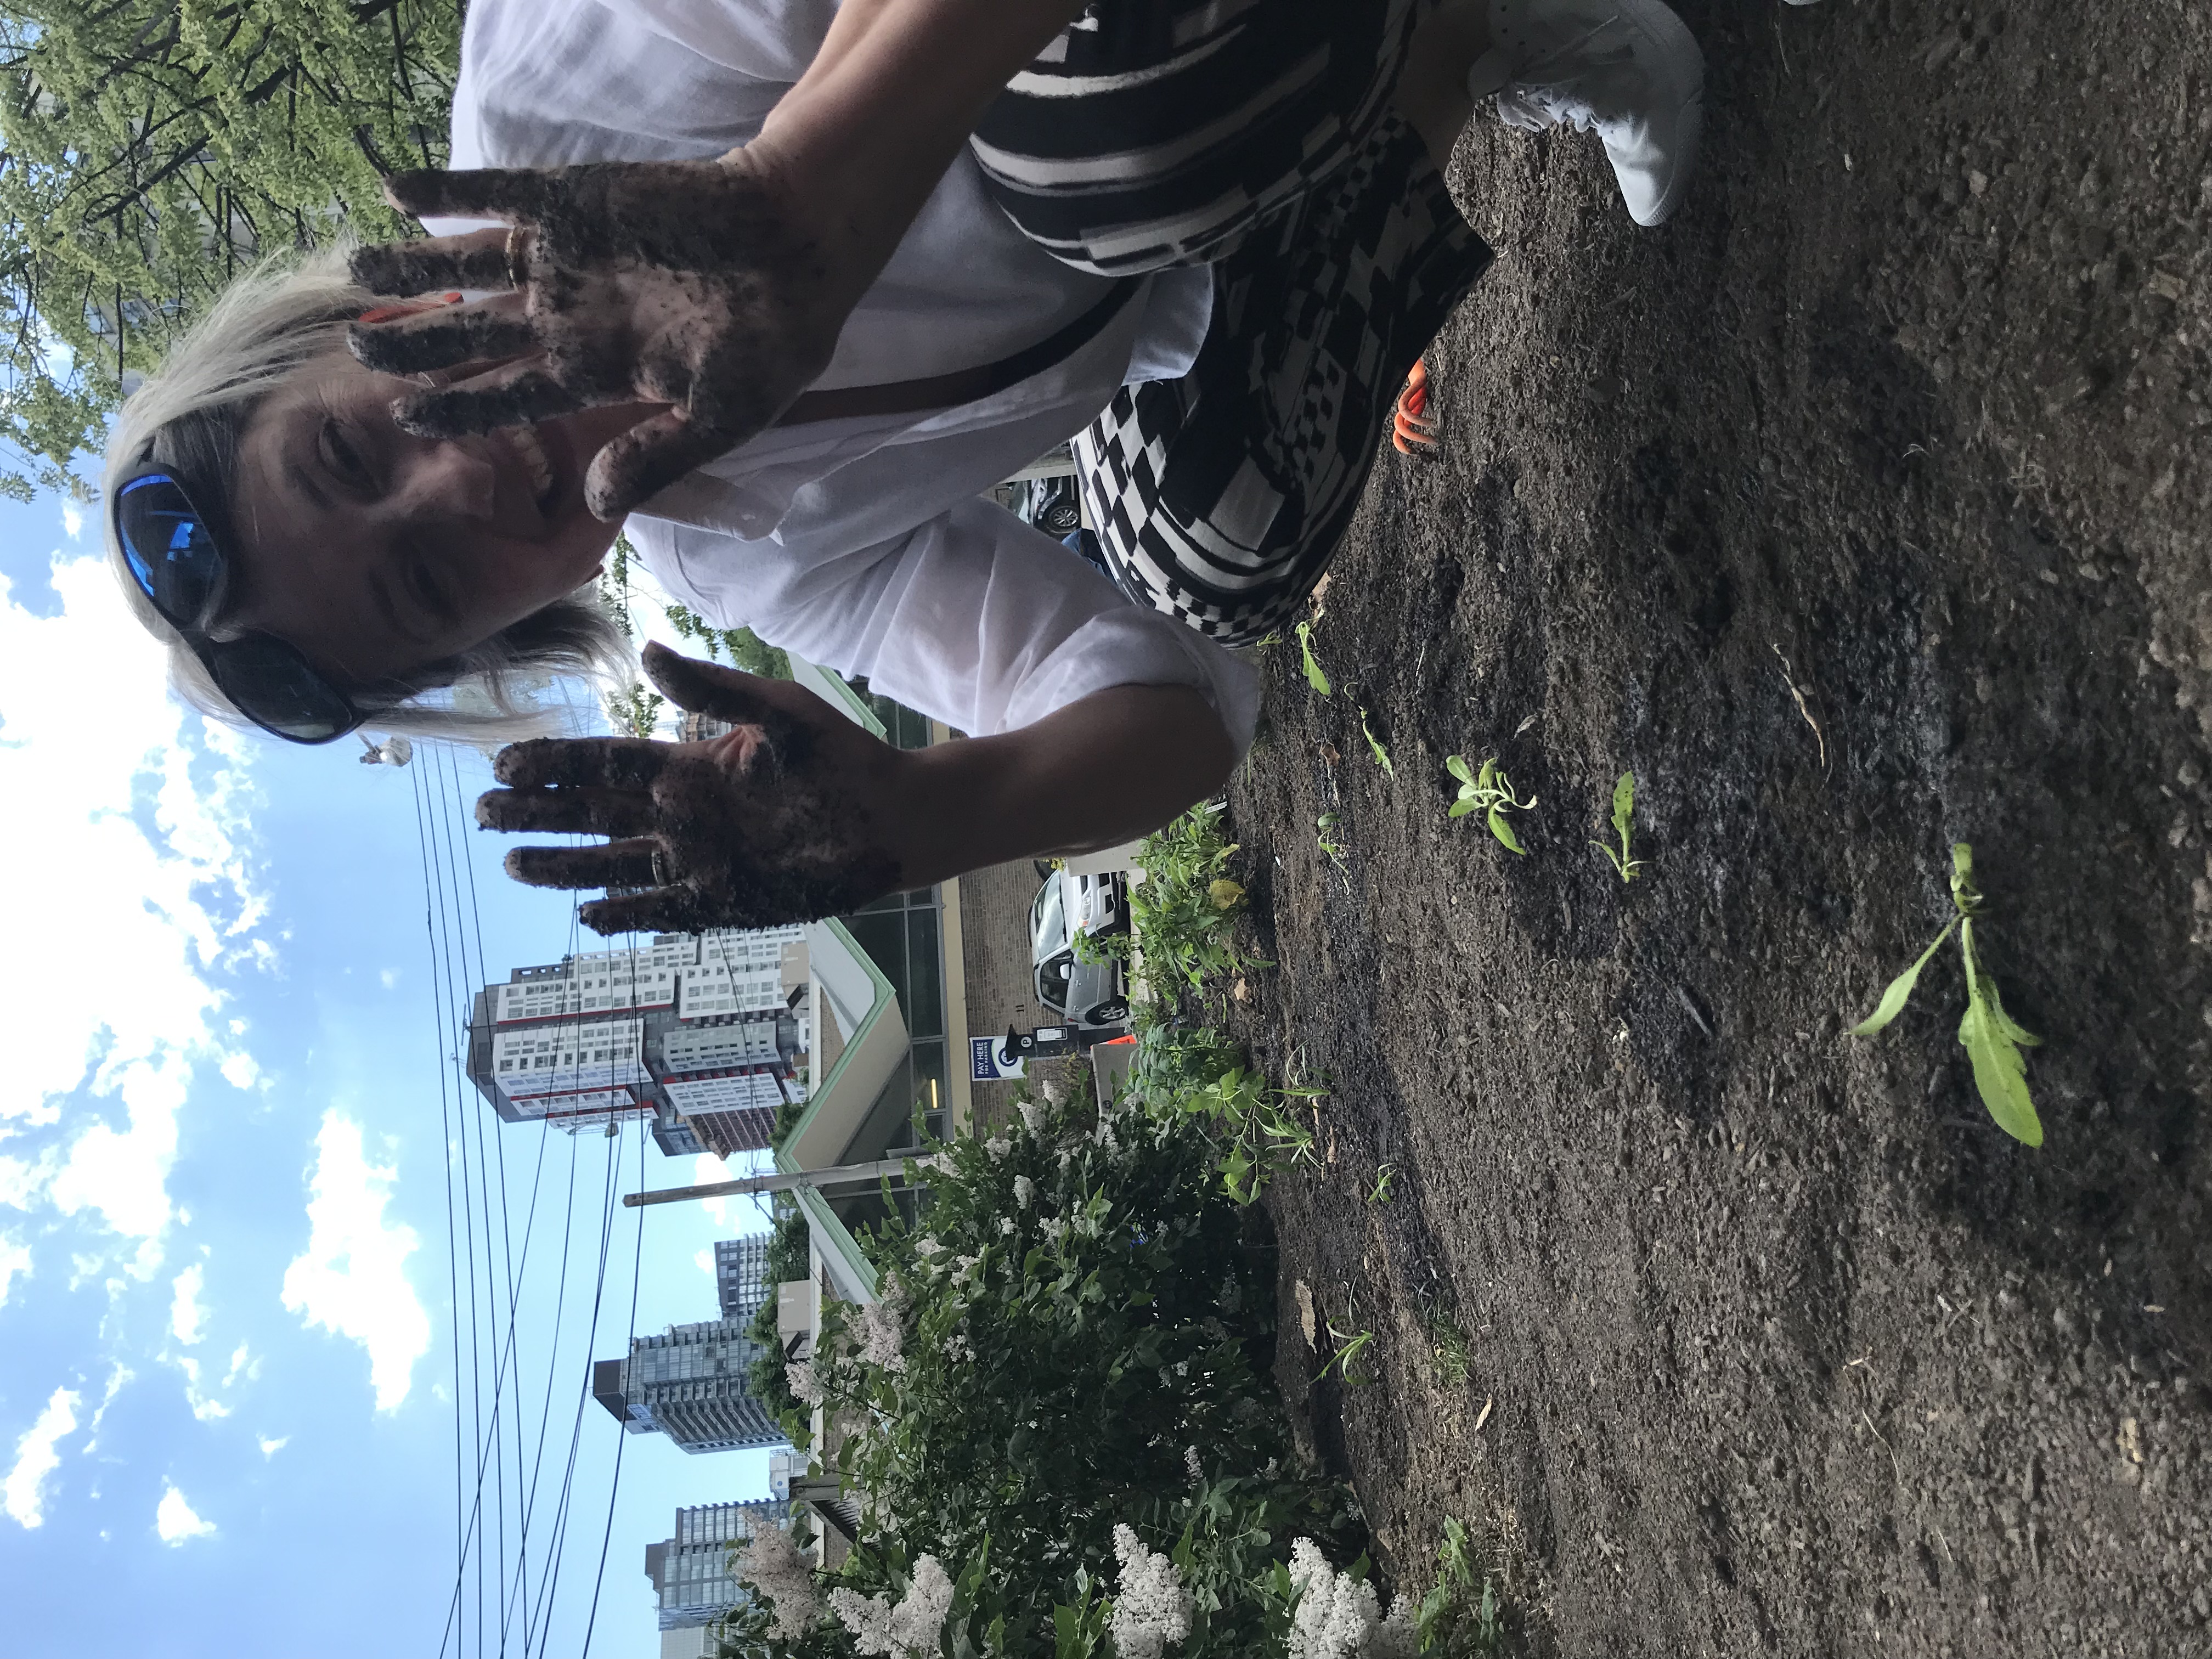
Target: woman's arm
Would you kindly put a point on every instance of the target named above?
(798, 813)
(715, 289)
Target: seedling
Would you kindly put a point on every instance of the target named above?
(1350, 1345)
(1324, 827)
(1380, 1195)
(1314, 676)
(1624, 809)
(1456, 1578)
(1382, 755)
(1490, 791)
(1989, 1035)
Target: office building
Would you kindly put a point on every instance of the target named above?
(741, 1281)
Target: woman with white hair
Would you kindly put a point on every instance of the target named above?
(789, 284)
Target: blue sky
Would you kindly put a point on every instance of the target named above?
(228, 1371)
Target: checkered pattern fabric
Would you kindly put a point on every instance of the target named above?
(1219, 498)
(1154, 133)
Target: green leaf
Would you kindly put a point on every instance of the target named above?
(1382, 755)
(1488, 777)
(1504, 831)
(1457, 766)
(1899, 990)
(1623, 805)
(1461, 807)
(1314, 676)
(1999, 1072)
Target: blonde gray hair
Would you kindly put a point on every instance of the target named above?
(289, 310)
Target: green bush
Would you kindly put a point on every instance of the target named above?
(1077, 1337)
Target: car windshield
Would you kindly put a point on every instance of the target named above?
(1048, 924)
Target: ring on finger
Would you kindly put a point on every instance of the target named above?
(518, 253)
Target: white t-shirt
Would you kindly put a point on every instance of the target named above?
(860, 543)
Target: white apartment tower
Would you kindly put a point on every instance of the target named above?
(693, 1032)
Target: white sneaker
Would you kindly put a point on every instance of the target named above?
(1628, 71)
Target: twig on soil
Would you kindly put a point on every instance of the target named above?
(1790, 679)
(1483, 1416)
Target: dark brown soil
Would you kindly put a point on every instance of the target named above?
(1784, 1347)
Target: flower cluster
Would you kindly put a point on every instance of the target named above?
(1338, 1616)
(883, 1328)
(1151, 1608)
(913, 1627)
(772, 1564)
(806, 1388)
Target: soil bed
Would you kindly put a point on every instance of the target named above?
(1782, 1346)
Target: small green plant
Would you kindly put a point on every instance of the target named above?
(1349, 1345)
(1624, 810)
(1490, 791)
(1381, 1192)
(1183, 915)
(1454, 1358)
(1315, 676)
(1374, 745)
(1438, 1621)
(1990, 1037)
(1324, 827)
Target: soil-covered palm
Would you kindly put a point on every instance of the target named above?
(690, 283)
(775, 821)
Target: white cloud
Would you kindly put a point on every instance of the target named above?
(271, 1448)
(205, 1407)
(72, 520)
(117, 1377)
(14, 1259)
(140, 812)
(389, 976)
(243, 1363)
(23, 1494)
(187, 1319)
(241, 1071)
(175, 1522)
(351, 1279)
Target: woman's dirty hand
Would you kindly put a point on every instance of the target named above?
(784, 819)
(693, 284)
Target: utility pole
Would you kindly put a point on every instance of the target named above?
(841, 1174)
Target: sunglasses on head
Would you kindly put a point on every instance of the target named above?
(174, 559)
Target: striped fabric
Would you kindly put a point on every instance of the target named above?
(1154, 133)
(1219, 498)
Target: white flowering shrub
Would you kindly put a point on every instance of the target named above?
(1070, 1421)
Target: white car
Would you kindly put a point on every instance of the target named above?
(1091, 996)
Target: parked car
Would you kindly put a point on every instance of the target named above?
(1050, 504)
(1091, 996)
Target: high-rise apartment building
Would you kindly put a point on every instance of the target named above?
(741, 1280)
(692, 1383)
(695, 1033)
(694, 1583)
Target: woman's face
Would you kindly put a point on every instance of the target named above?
(375, 552)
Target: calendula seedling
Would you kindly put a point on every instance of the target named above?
(1314, 676)
(1382, 755)
(1624, 809)
(1350, 1344)
(1989, 1035)
(1382, 1193)
(1324, 827)
(1490, 791)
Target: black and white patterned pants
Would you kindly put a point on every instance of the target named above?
(1254, 136)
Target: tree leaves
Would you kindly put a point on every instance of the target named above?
(154, 151)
